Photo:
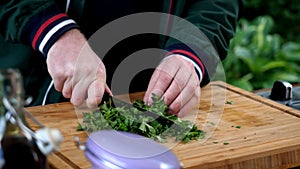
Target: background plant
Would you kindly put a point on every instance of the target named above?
(257, 57)
(286, 12)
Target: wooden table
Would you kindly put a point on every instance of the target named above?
(244, 131)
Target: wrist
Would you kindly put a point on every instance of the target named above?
(43, 29)
(69, 41)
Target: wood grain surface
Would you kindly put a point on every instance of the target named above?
(244, 131)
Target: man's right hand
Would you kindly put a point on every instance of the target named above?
(76, 69)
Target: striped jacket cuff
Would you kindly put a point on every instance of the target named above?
(42, 30)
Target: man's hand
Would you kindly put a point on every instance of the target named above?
(76, 70)
(176, 81)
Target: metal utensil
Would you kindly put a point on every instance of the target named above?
(117, 102)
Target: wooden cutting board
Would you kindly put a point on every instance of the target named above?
(244, 131)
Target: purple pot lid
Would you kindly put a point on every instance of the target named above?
(115, 149)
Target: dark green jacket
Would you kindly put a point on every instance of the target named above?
(21, 20)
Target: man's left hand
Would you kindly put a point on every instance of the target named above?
(175, 80)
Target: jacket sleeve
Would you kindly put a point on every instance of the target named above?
(38, 23)
(216, 20)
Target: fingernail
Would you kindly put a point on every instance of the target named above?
(107, 89)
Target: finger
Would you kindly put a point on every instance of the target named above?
(191, 108)
(162, 82)
(96, 89)
(59, 83)
(107, 89)
(79, 93)
(151, 84)
(177, 85)
(95, 93)
(154, 79)
(185, 95)
(161, 85)
(60, 76)
(67, 89)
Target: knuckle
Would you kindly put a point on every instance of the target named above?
(165, 77)
(66, 92)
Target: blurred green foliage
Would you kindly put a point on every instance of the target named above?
(266, 46)
(285, 12)
(257, 57)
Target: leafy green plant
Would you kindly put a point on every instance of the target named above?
(257, 58)
(286, 12)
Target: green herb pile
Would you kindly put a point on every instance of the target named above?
(134, 119)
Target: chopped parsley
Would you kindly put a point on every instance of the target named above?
(229, 102)
(132, 119)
